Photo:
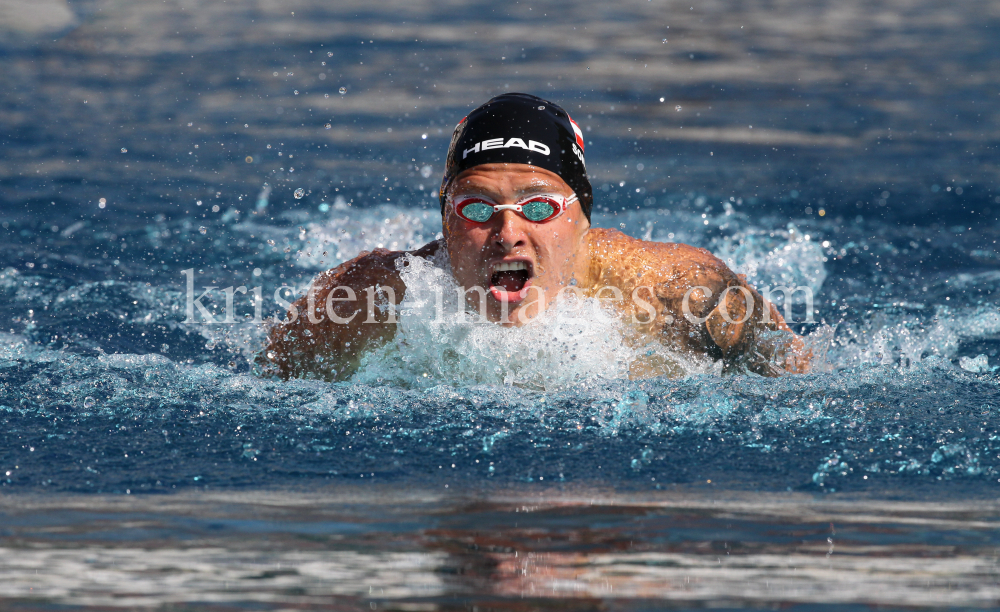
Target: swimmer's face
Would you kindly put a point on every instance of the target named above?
(520, 265)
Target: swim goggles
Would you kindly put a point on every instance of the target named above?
(536, 208)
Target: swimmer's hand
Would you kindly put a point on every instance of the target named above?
(760, 341)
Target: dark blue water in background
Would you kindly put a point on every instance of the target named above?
(848, 147)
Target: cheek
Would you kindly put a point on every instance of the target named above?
(555, 250)
(465, 251)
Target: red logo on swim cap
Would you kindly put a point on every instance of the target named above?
(577, 131)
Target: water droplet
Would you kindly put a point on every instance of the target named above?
(661, 99)
(295, 91)
(215, 208)
(541, 108)
(677, 108)
(257, 272)
(202, 230)
(88, 402)
(426, 171)
(342, 90)
(664, 41)
(423, 136)
(329, 53)
(324, 207)
(164, 348)
(300, 193)
(328, 126)
(124, 150)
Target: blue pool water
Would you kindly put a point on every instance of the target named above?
(145, 463)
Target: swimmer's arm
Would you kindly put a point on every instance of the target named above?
(690, 284)
(344, 314)
(759, 341)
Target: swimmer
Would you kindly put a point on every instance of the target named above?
(515, 204)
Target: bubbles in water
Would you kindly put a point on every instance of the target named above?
(88, 402)
(124, 150)
(202, 230)
(342, 90)
(299, 193)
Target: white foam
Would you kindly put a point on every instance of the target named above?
(574, 341)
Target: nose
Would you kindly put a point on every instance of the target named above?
(510, 231)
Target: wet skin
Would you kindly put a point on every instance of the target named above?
(649, 283)
(555, 252)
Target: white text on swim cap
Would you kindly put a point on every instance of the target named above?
(498, 143)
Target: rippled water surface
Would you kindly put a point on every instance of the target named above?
(848, 147)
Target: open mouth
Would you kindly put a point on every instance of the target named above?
(509, 280)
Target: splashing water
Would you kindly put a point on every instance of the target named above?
(552, 399)
(574, 342)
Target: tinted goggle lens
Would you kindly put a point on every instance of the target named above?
(538, 210)
(480, 212)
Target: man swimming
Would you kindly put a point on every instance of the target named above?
(516, 204)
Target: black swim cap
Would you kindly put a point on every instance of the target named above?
(517, 128)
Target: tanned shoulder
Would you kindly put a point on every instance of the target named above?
(672, 267)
